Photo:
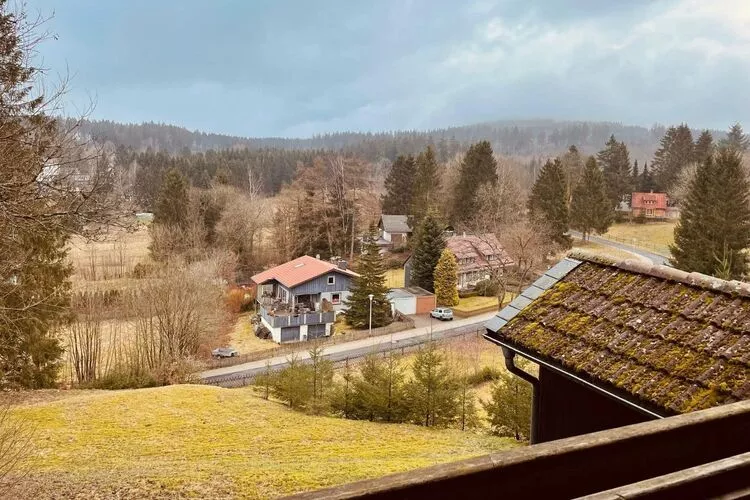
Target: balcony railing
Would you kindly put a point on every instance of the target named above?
(286, 319)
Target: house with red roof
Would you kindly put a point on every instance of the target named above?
(649, 205)
(299, 299)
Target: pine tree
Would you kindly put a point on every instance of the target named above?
(636, 173)
(399, 186)
(736, 139)
(378, 392)
(446, 279)
(714, 227)
(172, 204)
(548, 202)
(293, 384)
(615, 164)
(321, 379)
(426, 184)
(509, 409)
(371, 281)
(646, 182)
(429, 244)
(478, 167)
(704, 146)
(674, 154)
(590, 210)
(432, 391)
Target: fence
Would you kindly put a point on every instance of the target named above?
(634, 242)
(236, 380)
(286, 349)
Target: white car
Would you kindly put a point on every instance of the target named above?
(225, 352)
(442, 313)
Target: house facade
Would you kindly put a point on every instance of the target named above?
(649, 205)
(394, 230)
(624, 343)
(299, 300)
(477, 257)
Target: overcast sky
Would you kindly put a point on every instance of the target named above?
(296, 68)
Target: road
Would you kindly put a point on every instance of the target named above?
(354, 349)
(653, 257)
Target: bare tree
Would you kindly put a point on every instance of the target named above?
(85, 338)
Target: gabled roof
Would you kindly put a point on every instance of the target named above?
(649, 200)
(479, 248)
(672, 340)
(395, 223)
(298, 271)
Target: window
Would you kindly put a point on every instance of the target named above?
(335, 298)
(331, 280)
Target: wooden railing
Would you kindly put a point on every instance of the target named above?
(284, 320)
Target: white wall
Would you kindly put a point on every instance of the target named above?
(275, 332)
(405, 305)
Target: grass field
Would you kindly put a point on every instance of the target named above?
(655, 236)
(606, 251)
(242, 337)
(468, 305)
(394, 278)
(200, 441)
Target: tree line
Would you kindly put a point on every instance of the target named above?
(430, 390)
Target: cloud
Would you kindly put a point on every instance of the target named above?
(300, 68)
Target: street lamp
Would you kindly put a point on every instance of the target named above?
(371, 296)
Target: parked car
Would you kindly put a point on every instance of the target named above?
(442, 313)
(225, 352)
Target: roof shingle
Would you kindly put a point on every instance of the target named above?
(298, 271)
(674, 340)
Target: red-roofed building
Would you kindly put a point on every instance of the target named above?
(649, 205)
(299, 299)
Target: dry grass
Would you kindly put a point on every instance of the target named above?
(469, 305)
(200, 441)
(394, 278)
(655, 236)
(613, 253)
(242, 337)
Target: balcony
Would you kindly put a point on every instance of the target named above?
(286, 318)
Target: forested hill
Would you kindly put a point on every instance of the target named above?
(519, 138)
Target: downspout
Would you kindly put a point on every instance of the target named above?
(512, 368)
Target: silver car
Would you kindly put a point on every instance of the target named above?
(442, 313)
(225, 352)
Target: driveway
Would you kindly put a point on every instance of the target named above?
(356, 348)
(653, 257)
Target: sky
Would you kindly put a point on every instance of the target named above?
(298, 68)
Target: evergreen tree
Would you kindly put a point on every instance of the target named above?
(704, 147)
(172, 204)
(379, 390)
(429, 244)
(321, 380)
(446, 279)
(478, 167)
(310, 236)
(590, 210)
(426, 185)
(293, 384)
(548, 201)
(371, 281)
(615, 164)
(509, 409)
(636, 173)
(646, 182)
(714, 227)
(736, 139)
(432, 390)
(674, 154)
(399, 186)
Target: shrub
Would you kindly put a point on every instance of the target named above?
(486, 374)
(464, 294)
(122, 377)
(141, 270)
(235, 300)
(486, 288)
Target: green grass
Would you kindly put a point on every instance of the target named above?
(201, 441)
(468, 305)
(613, 253)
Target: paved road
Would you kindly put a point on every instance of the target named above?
(354, 349)
(653, 257)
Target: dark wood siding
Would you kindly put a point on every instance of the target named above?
(568, 408)
(342, 283)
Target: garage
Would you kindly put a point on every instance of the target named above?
(411, 300)
(290, 334)
(316, 331)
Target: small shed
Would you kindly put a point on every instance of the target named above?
(411, 300)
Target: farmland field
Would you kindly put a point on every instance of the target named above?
(199, 441)
(654, 236)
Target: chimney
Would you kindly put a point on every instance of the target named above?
(464, 234)
(317, 256)
(342, 264)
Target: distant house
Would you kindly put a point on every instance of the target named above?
(622, 343)
(394, 229)
(298, 300)
(477, 256)
(649, 205)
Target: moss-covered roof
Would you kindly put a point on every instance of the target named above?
(672, 340)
